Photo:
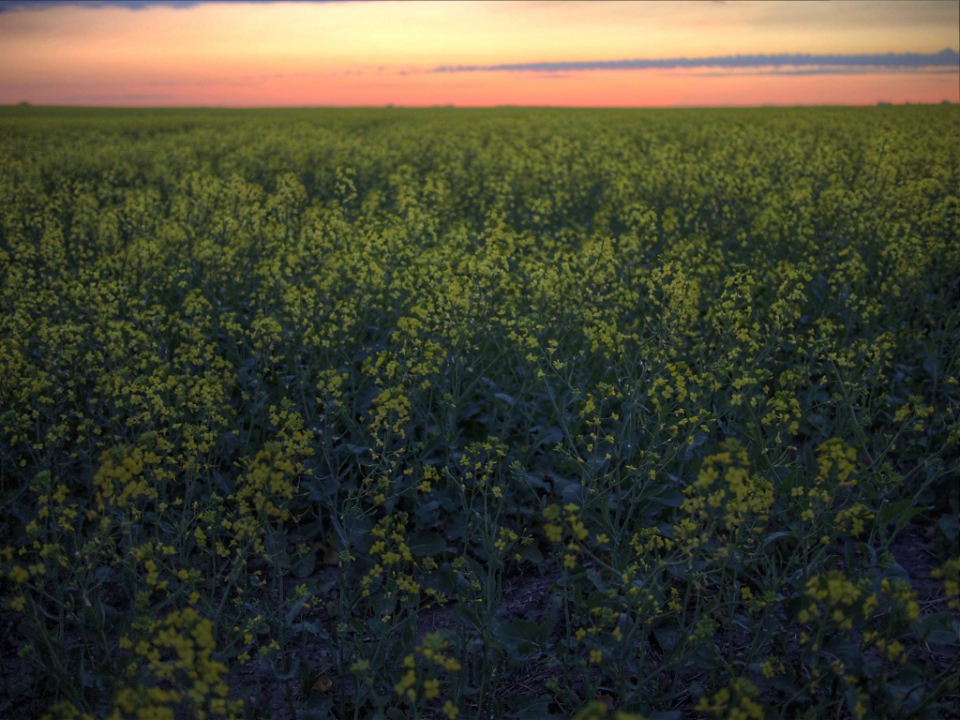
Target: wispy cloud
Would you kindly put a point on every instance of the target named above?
(129, 4)
(826, 71)
(116, 97)
(8, 5)
(799, 62)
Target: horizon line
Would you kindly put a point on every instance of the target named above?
(452, 106)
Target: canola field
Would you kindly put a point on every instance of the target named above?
(456, 414)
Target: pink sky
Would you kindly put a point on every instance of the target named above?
(478, 53)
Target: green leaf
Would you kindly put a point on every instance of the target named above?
(295, 610)
(773, 537)
(671, 497)
(521, 638)
(517, 630)
(894, 511)
(530, 707)
(305, 565)
(423, 544)
(667, 637)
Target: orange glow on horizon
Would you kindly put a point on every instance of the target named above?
(375, 53)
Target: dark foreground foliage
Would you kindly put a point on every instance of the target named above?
(479, 414)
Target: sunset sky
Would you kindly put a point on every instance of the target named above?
(479, 53)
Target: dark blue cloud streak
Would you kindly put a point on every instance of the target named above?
(828, 71)
(7, 5)
(946, 58)
(129, 4)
